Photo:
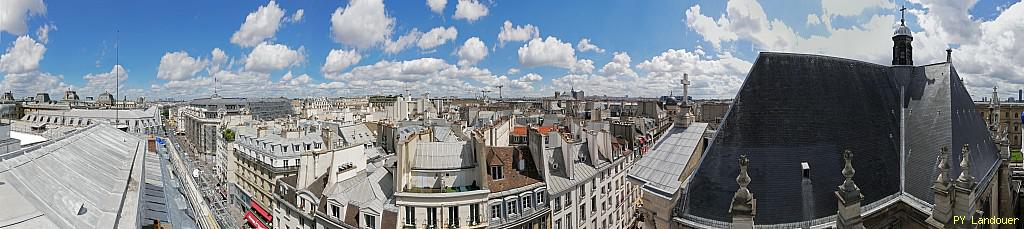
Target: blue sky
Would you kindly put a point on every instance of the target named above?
(645, 47)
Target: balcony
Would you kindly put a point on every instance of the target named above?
(461, 222)
(441, 190)
(512, 220)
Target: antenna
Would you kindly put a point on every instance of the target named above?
(117, 85)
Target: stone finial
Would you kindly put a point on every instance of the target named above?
(742, 200)
(848, 172)
(942, 181)
(849, 197)
(965, 179)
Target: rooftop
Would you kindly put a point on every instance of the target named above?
(85, 179)
(662, 168)
(443, 156)
(795, 108)
(509, 158)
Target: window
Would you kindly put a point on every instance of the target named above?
(453, 216)
(583, 213)
(593, 204)
(558, 224)
(558, 203)
(370, 222)
(512, 207)
(474, 214)
(336, 211)
(496, 211)
(540, 199)
(410, 215)
(496, 172)
(432, 217)
(568, 221)
(568, 199)
(527, 202)
(285, 163)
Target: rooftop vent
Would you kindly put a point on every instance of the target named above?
(82, 210)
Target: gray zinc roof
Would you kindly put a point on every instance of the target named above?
(82, 180)
(661, 169)
(443, 155)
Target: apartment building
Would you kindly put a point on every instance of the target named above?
(585, 172)
(440, 183)
(518, 197)
(264, 154)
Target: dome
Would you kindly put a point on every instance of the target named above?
(671, 101)
(902, 30)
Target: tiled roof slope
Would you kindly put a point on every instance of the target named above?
(796, 108)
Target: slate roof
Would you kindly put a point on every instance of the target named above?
(796, 108)
(662, 167)
(356, 134)
(81, 180)
(371, 190)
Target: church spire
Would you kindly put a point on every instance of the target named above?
(902, 50)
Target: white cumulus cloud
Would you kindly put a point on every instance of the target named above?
(516, 33)
(549, 51)
(338, 60)
(97, 83)
(584, 45)
(258, 26)
(361, 24)
(437, 6)
(403, 42)
(436, 37)
(179, 66)
(14, 14)
(22, 56)
(470, 10)
(267, 57)
(472, 51)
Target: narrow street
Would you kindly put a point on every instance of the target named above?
(192, 193)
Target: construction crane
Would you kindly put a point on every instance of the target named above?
(499, 91)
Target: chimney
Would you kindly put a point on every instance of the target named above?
(1020, 95)
(949, 55)
(806, 194)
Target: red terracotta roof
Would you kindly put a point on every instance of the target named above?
(512, 177)
(519, 131)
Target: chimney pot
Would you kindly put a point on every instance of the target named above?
(949, 55)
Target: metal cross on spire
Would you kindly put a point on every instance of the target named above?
(903, 15)
(686, 88)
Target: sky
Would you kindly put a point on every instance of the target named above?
(187, 49)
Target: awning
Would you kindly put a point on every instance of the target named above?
(266, 216)
(253, 221)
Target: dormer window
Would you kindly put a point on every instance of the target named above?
(496, 172)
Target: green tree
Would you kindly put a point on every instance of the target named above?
(229, 135)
